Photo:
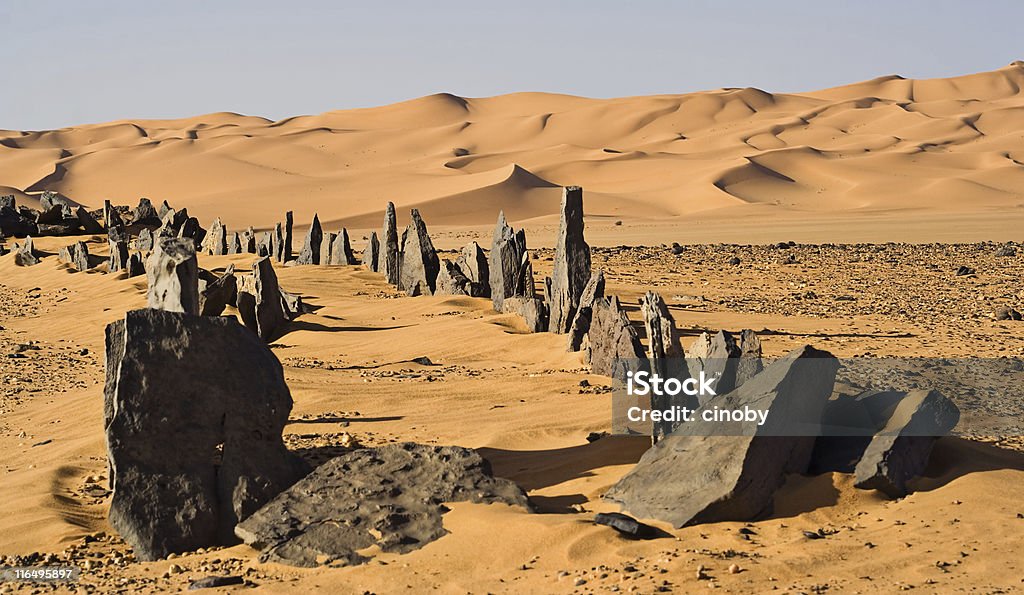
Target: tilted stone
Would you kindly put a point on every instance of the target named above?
(25, 253)
(390, 497)
(216, 295)
(146, 240)
(593, 291)
(420, 263)
(87, 221)
(371, 254)
(260, 302)
(217, 239)
(192, 230)
(533, 311)
(729, 471)
(472, 262)
(572, 262)
(164, 209)
(194, 408)
(388, 262)
(612, 346)
(310, 253)
(173, 276)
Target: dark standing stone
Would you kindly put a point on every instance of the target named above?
(194, 408)
(87, 221)
(700, 475)
(76, 255)
(25, 253)
(249, 241)
(173, 276)
(581, 322)
(236, 244)
(900, 449)
(750, 363)
(145, 214)
(388, 260)
(277, 243)
(420, 264)
(624, 524)
(192, 230)
(260, 301)
(372, 253)
(310, 253)
(612, 347)
(572, 262)
(508, 274)
(136, 266)
(118, 259)
(289, 223)
(14, 223)
(111, 218)
(390, 496)
(265, 247)
(217, 295)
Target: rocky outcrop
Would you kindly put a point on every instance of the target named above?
(572, 262)
(390, 498)
(729, 471)
(593, 291)
(612, 346)
(420, 265)
(194, 408)
(310, 253)
(173, 276)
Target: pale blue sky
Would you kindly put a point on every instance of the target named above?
(76, 62)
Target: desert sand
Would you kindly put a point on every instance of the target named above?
(884, 160)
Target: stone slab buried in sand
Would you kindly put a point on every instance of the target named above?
(194, 408)
(699, 476)
(390, 497)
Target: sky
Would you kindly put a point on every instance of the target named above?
(75, 62)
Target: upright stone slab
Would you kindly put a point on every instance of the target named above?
(533, 311)
(217, 238)
(146, 240)
(260, 302)
(572, 262)
(371, 254)
(612, 347)
(341, 250)
(451, 280)
(87, 221)
(191, 229)
(750, 363)
(194, 408)
(145, 213)
(76, 255)
(249, 241)
(25, 253)
(218, 294)
(111, 218)
(136, 265)
(236, 244)
(327, 248)
(665, 353)
(729, 471)
(277, 242)
(420, 264)
(388, 260)
(593, 291)
(118, 258)
(472, 262)
(265, 245)
(508, 264)
(173, 276)
(717, 356)
(310, 253)
(289, 223)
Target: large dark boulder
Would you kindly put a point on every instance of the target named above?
(572, 262)
(88, 222)
(391, 497)
(14, 223)
(173, 276)
(194, 408)
(729, 471)
(420, 264)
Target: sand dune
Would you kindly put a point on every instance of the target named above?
(877, 148)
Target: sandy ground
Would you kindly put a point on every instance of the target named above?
(887, 160)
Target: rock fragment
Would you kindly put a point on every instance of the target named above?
(87, 221)
(533, 311)
(76, 255)
(25, 253)
(173, 276)
(216, 296)
(260, 301)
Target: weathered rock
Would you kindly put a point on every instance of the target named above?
(211, 582)
(260, 301)
(717, 356)
(25, 253)
(420, 264)
(173, 276)
(509, 267)
(14, 223)
(194, 408)
(7, 202)
(136, 266)
(277, 243)
(612, 347)
(750, 364)
(473, 263)
(192, 230)
(451, 280)
(76, 255)
(87, 221)
(388, 262)
(310, 253)
(701, 475)
(118, 259)
(341, 249)
(265, 246)
(371, 254)
(665, 353)
(593, 291)
(164, 209)
(572, 262)
(54, 208)
(217, 239)
(289, 223)
(899, 451)
(146, 240)
(327, 248)
(111, 218)
(249, 241)
(533, 310)
(218, 294)
(625, 524)
(145, 214)
(390, 497)
(235, 247)
(292, 304)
